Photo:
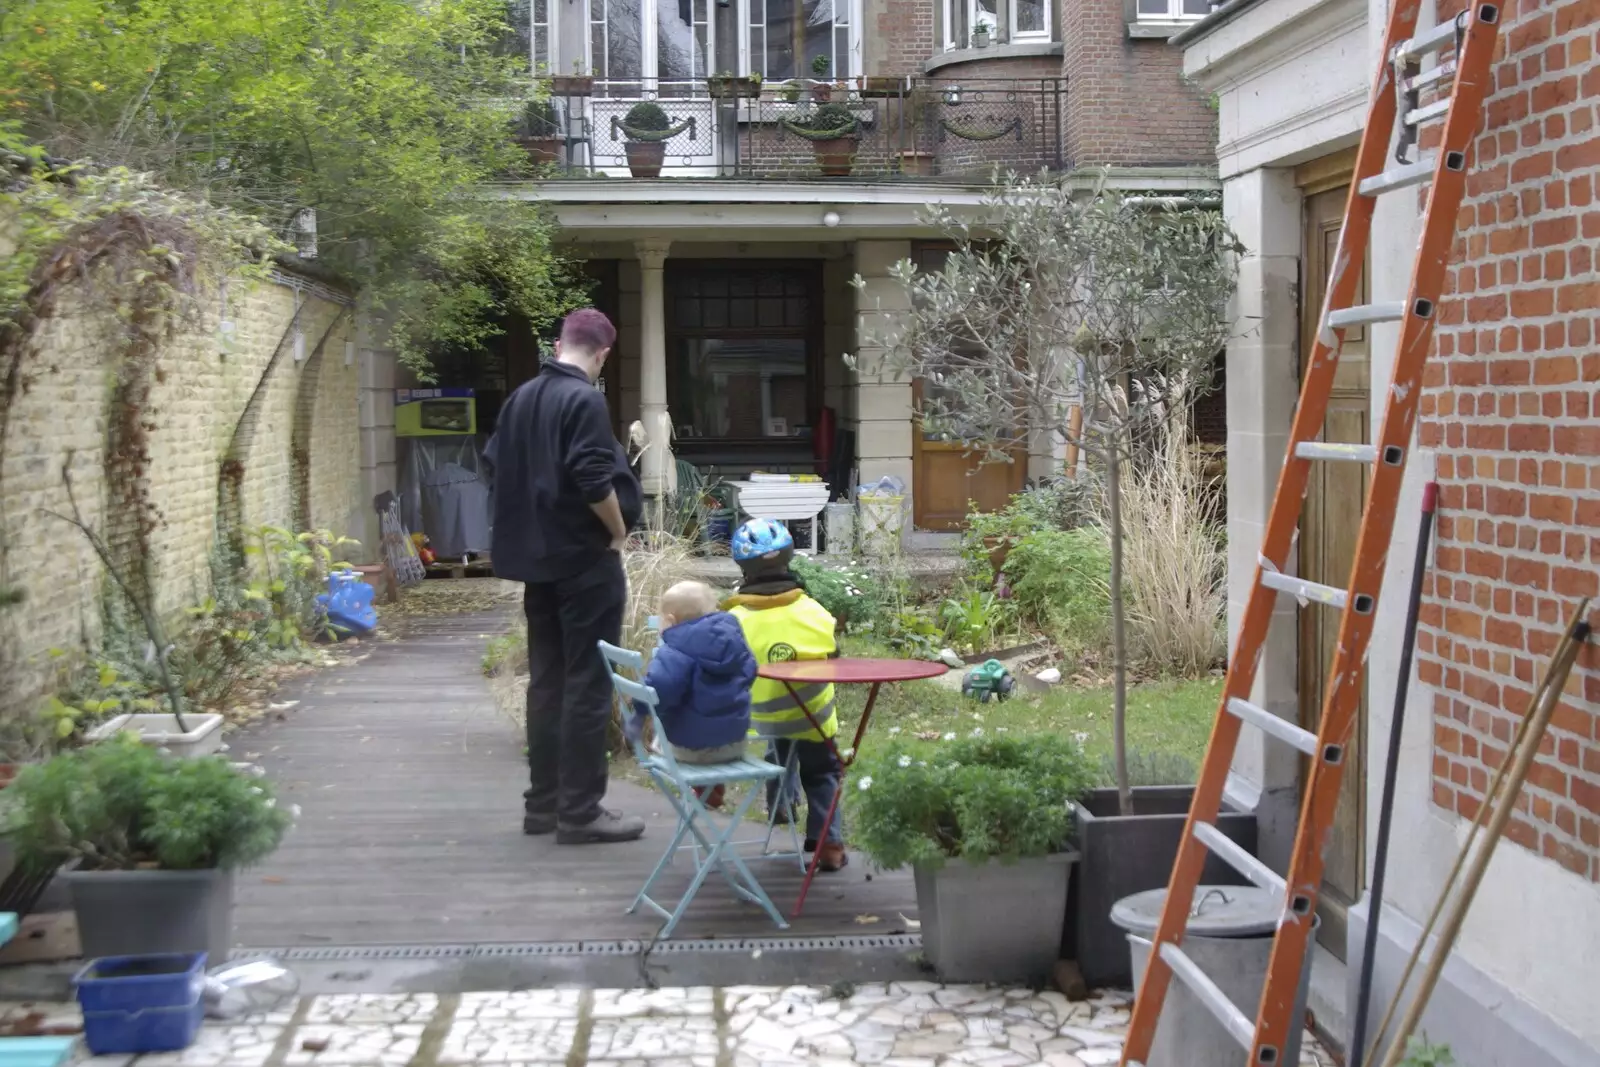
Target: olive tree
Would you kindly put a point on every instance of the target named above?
(1089, 315)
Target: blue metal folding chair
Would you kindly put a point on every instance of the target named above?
(677, 782)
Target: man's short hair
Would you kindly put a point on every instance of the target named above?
(589, 330)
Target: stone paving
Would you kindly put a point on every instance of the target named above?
(899, 1025)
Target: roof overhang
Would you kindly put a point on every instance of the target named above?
(804, 210)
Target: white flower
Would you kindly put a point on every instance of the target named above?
(977, 731)
(905, 761)
(922, 763)
(1080, 737)
(951, 736)
(866, 783)
(893, 730)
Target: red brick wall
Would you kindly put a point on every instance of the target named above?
(1126, 102)
(899, 36)
(1513, 406)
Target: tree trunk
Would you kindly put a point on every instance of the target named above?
(1119, 636)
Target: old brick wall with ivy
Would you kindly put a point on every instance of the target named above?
(237, 382)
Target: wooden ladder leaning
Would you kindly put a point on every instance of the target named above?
(1459, 79)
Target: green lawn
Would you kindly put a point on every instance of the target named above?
(1168, 722)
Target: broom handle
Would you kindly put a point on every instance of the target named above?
(1466, 850)
(1560, 669)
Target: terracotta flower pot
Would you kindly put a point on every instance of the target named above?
(836, 156)
(645, 158)
(542, 151)
(572, 84)
(916, 164)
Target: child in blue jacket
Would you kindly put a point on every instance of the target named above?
(702, 674)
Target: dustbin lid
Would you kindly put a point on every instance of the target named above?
(1218, 911)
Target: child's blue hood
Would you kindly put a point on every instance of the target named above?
(715, 642)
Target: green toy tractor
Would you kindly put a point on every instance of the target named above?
(988, 679)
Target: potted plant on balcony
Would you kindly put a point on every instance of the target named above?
(980, 36)
(985, 823)
(578, 83)
(536, 131)
(149, 843)
(725, 86)
(834, 134)
(648, 129)
(821, 89)
(789, 91)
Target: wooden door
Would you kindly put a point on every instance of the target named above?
(1329, 526)
(950, 478)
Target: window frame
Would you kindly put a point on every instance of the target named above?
(1173, 14)
(851, 68)
(812, 334)
(1005, 18)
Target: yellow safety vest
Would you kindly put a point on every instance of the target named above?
(780, 628)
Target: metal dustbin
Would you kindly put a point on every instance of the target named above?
(1229, 938)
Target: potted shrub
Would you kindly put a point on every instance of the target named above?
(821, 89)
(980, 36)
(149, 844)
(788, 92)
(648, 129)
(834, 133)
(536, 131)
(985, 823)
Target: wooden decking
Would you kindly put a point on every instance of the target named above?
(409, 782)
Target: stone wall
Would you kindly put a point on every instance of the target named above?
(249, 380)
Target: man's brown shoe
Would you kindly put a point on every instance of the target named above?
(831, 857)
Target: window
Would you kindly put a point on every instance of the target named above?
(740, 353)
(529, 23)
(1022, 20)
(786, 37)
(631, 40)
(1173, 10)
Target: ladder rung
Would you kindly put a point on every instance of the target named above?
(1304, 590)
(1205, 990)
(1273, 726)
(1431, 111)
(1361, 314)
(1439, 72)
(1224, 846)
(1441, 35)
(1400, 177)
(1346, 453)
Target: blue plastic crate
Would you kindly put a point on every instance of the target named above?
(135, 1004)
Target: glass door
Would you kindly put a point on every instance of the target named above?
(660, 51)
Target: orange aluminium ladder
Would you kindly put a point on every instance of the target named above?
(1459, 80)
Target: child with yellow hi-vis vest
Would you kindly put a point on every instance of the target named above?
(782, 623)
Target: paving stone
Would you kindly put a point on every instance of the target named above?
(508, 1039)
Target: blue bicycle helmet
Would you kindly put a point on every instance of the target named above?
(758, 538)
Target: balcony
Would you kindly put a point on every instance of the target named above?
(891, 129)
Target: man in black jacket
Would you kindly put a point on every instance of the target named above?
(564, 501)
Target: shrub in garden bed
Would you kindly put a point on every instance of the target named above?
(851, 594)
(1060, 580)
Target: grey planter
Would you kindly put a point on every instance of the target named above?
(998, 922)
(125, 913)
(1124, 855)
(160, 730)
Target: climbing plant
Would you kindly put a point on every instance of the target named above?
(382, 118)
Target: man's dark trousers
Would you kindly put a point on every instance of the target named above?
(569, 689)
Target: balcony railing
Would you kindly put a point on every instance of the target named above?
(922, 129)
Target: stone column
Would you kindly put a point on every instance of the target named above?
(883, 398)
(1263, 206)
(657, 469)
(379, 473)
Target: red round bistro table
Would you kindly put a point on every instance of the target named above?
(843, 671)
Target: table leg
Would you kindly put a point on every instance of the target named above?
(833, 808)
